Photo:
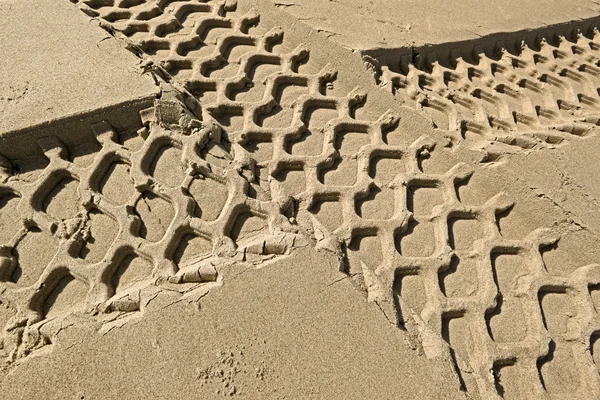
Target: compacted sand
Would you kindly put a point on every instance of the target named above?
(325, 200)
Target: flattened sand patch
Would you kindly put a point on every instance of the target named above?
(58, 67)
(296, 328)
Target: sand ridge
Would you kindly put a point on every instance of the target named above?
(384, 27)
(60, 74)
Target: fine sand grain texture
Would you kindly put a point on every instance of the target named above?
(57, 68)
(292, 218)
(258, 336)
(396, 24)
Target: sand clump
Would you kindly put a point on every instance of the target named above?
(285, 218)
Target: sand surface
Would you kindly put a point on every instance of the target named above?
(292, 218)
(367, 25)
(57, 64)
(258, 336)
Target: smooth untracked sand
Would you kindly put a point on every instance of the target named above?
(58, 69)
(396, 24)
(296, 328)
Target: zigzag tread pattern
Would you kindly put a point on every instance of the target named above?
(543, 94)
(287, 157)
(162, 206)
(104, 230)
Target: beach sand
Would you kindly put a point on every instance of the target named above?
(259, 199)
